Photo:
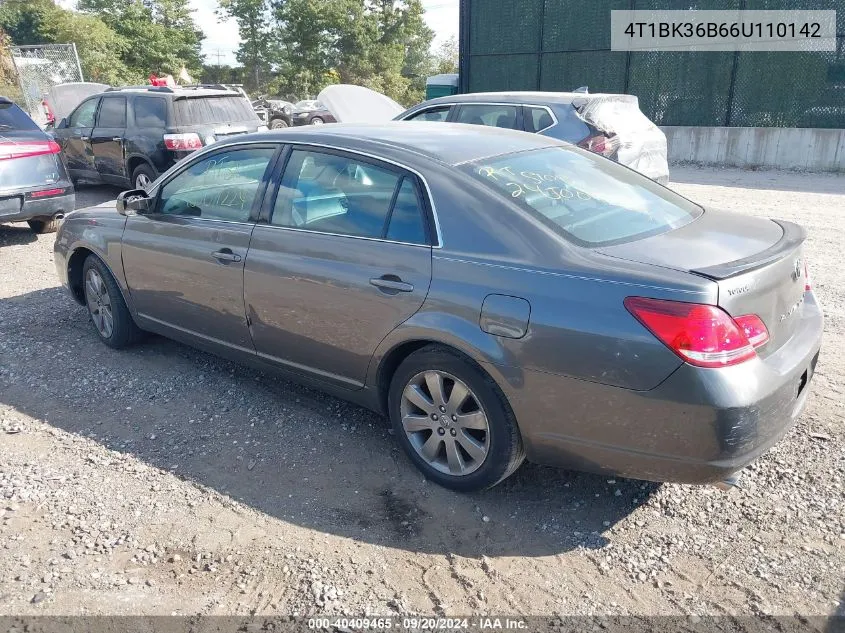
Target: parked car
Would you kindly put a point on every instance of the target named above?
(498, 295)
(128, 136)
(310, 112)
(277, 112)
(608, 124)
(34, 185)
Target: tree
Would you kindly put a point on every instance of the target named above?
(253, 19)
(160, 35)
(446, 57)
(382, 45)
(42, 22)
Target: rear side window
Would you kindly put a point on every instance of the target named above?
(112, 112)
(335, 194)
(150, 112)
(588, 199)
(537, 119)
(432, 114)
(406, 220)
(13, 118)
(200, 110)
(492, 115)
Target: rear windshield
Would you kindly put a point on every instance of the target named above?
(200, 110)
(589, 199)
(13, 118)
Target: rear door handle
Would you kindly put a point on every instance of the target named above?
(117, 138)
(226, 255)
(391, 283)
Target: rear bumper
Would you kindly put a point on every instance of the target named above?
(20, 209)
(698, 426)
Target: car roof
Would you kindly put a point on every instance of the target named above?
(519, 97)
(449, 143)
(175, 92)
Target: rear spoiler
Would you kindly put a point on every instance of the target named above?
(793, 236)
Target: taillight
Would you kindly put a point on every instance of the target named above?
(25, 149)
(601, 144)
(702, 335)
(754, 329)
(182, 142)
(46, 193)
(808, 282)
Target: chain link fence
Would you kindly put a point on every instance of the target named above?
(559, 45)
(39, 68)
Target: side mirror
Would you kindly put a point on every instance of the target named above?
(135, 201)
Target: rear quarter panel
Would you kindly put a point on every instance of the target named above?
(578, 325)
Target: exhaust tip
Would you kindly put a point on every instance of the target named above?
(729, 483)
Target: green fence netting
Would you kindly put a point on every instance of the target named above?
(559, 45)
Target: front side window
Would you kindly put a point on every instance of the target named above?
(590, 200)
(83, 116)
(335, 194)
(150, 112)
(432, 114)
(112, 112)
(219, 187)
(492, 115)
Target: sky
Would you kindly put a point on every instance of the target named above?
(221, 36)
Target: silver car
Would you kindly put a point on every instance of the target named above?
(498, 295)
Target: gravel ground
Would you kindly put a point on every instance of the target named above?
(162, 480)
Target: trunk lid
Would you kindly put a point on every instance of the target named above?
(758, 265)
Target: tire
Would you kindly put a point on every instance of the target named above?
(278, 124)
(143, 171)
(316, 121)
(123, 331)
(501, 439)
(44, 225)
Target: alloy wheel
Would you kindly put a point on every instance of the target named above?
(142, 181)
(99, 303)
(445, 423)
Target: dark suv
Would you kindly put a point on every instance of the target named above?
(128, 136)
(34, 186)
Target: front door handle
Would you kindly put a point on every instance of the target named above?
(84, 138)
(391, 284)
(226, 255)
(117, 138)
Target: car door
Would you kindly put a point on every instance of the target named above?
(75, 139)
(502, 115)
(344, 258)
(107, 140)
(184, 260)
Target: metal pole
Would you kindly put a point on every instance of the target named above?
(78, 65)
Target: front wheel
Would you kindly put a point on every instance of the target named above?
(453, 421)
(278, 124)
(108, 311)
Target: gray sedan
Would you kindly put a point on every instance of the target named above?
(497, 295)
